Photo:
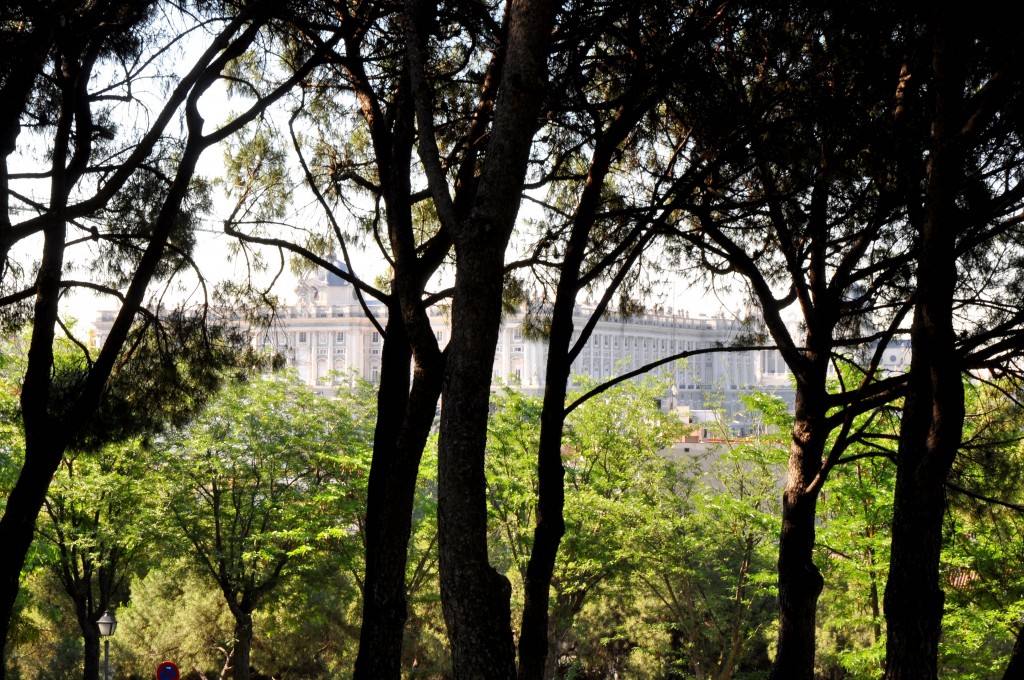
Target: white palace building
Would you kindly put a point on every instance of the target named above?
(325, 335)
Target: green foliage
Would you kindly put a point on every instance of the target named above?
(12, 444)
(513, 433)
(307, 628)
(983, 549)
(984, 585)
(425, 650)
(267, 476)
(135, 209)
(310, 628)
(981, 555)
(616, 480)
(666, 569)
(101, 518)
(267, 471)
(255, 174)
(665, 564)
(853, 550)
(709, 561)
(176, 612)
(46, 643)
(170, 368)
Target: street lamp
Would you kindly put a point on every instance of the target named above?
(107, 625)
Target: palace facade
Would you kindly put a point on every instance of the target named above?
(326, 336)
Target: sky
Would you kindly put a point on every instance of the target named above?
(212, 255)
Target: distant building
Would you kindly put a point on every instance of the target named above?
(326, 336)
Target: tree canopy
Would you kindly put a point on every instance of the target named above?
(852, 170)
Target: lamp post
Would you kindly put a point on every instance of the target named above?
(107, 625)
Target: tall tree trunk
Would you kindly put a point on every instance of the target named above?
(243, 644)
(475, 598)
(91, 668)
(404, 417)
(554, 643)
(1015, 669)
(44, 442)
(17, 526)
(87, 625)
(403, 425)
(550, 522)
(534, 645)
(933, 412)
(800, 581)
